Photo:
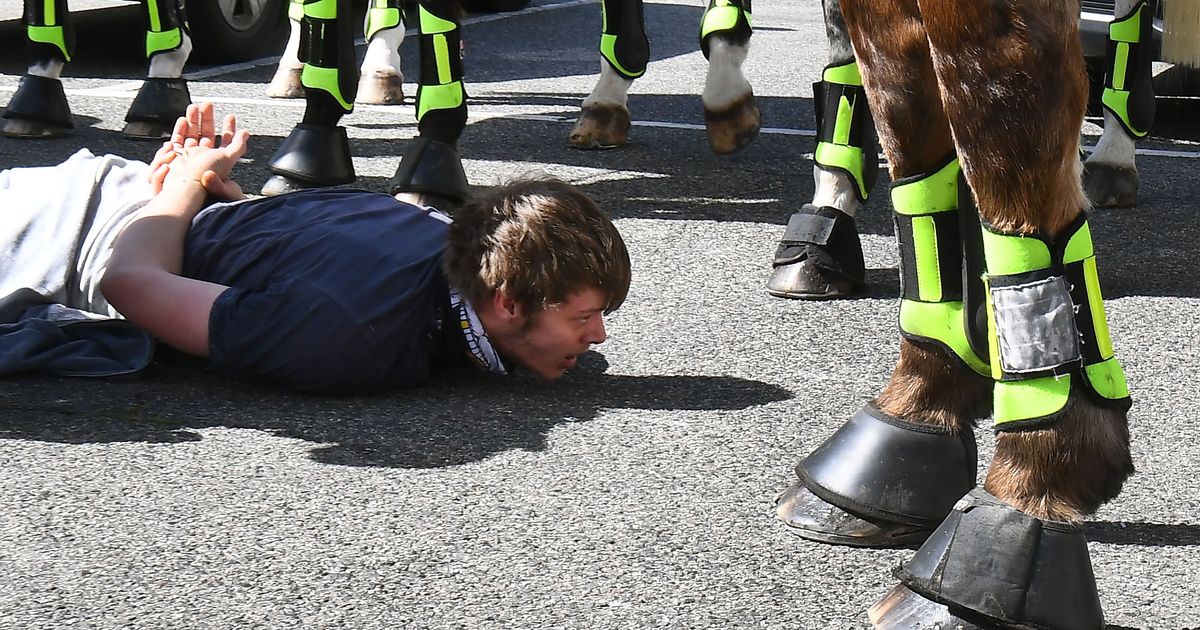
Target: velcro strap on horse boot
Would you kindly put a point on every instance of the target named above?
(1128, 89)
(327, 50)
(42, 100)
(992, 560)
(623, 42)
(846, 139)
(730, 18)
(882, 467)
(160, 100)
(1047, 327)
(432, 167)
(316, 155)
(931, 262)
(826, 236)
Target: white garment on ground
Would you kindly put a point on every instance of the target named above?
(58, 224)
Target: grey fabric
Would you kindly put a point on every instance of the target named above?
(57, 227)
(58, 224)
(1036, 326)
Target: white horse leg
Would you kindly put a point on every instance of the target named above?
(380, 80)
(286, 82)
(603, 121)
(1110, 177)
(730, 111)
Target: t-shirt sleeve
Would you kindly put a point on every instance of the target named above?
(291, 335)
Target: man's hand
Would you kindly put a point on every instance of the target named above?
(193, 155)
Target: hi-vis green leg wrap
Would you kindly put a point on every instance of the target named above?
(330, 75)
(383, 14)
(728, 18)
(166, 24)
(1128, 92)
(1047, 327)
(441, 99)
(623, 42)
(931, 263)
(845, 132)
(49, 30)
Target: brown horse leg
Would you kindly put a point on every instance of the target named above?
(930, 391)
(1013, 85)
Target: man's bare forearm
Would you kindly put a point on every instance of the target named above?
(154, 240)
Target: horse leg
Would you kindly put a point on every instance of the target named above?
(731, 114)
(820, 255)
(603, 121)
(164, 96)
(1013, 554)
(892, 472)
(317, 151)
(1110, 176)
(286, 82)
(381, 82)
(431, 171)
(39, 109)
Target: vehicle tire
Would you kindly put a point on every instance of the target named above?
(494, 6)
(237, 30)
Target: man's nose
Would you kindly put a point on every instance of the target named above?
(596, 333)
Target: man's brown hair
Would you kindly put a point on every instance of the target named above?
(538, 240)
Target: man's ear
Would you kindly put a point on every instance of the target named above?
(509, 309)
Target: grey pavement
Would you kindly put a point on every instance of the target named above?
(638, 491)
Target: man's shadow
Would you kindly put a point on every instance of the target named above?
(446, 424)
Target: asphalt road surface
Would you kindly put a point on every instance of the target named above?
(636, 492)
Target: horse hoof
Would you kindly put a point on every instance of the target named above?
(280, 184)
(381, 88)
(902, 609)
(733, 129)
(600, 127)
(805, 281)
(812, 518)
(143, 130)
(30, 130)
(286, 84)
(1110, 185)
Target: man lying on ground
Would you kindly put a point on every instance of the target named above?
(331, 291)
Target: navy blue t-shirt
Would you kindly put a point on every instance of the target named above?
(332, 291)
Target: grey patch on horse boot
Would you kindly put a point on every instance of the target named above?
(1110, 185)
(812, 518)
(286, 84)
(819, 257)
(600, 127)
(732, 129)
(885, 471)
(38, 109)
(989, 559)
(381, 88)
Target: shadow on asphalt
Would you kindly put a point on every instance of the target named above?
(446, 424)
(1143, 534)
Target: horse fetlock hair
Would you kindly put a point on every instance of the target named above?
(929, 386)
(1066, 471)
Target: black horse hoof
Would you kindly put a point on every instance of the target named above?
(902, 609)
(804, 280)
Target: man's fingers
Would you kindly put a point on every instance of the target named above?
(207, 131)
(157, 177)
(229, 129)
(237, 146)
(179, 134)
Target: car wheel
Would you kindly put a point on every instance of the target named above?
(237, 30)
(494, 6)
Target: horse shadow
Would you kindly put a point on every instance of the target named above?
(447, 424)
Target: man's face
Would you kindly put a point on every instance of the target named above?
(553, 338)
